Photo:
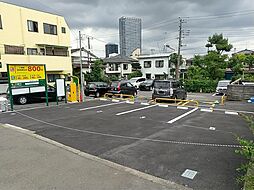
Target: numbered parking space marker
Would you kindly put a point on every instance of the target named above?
(138, 109)
(100, 106)
(190, 174)
(163, 105)
(182, 116)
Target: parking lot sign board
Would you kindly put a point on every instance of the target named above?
(26, 73)
(23, 76)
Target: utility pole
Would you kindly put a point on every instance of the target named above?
(88, 53)
(181, 34)
(179, 47)
(81, 69)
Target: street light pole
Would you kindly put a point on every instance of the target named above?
(81, 70)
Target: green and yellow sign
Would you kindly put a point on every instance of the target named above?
(23, 79)
(26, 73)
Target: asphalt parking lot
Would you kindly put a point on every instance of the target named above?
(158, 140)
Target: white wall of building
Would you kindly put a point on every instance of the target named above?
(153, 70)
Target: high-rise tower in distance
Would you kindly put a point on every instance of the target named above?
(129, 34)
(111, 48)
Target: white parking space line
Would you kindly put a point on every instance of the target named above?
(206, 110)
(100, 106)
(182, 108)
(129, 102)
(182, 116)
(145, 104)
(114, 100)
(138, 109)
(103, 99)
(231, 113)
(163, 105)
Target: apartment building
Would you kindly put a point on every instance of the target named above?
(29, 36)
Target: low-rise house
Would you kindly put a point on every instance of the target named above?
(119, 65)
(158, 66)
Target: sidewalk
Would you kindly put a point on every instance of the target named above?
(26, 162)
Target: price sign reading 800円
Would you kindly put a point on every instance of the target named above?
(26, 73)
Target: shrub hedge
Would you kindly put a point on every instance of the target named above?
(206, 86)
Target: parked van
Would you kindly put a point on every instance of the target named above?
(168, 89)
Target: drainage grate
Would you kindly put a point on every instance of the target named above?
(190, 174)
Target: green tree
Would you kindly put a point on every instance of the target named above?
(210, 67)
(173, 60)
(96, 74)
(221, 44)
(135, 74)
(250, 61)
(236, 62)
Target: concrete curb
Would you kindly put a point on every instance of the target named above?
(119, 167)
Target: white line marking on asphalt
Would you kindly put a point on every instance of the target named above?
(99, 111)
(103, 99)
(114, 100)
(182, 116)
(206, 110)
(182, 108)
(190, 174)
(138, 109)
(163, 105)
(100, 106)
(231, 113)
(129, 102)
(142, 117)
(212, 128)
(145, 104)
(239, 111)
(214, 94)
(130, 137)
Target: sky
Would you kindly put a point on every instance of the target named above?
(160, 22)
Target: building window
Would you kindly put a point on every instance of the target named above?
(3, 78)
(42, 51)
(159, 63)
(53, 77)
(148, 76)
(50, 29)
(125, 66)
(147, 64)
(63, 30)
(32, 26)
(14, 49)
(55, 51)
(159, 77)
(32, 51)
(1, 25)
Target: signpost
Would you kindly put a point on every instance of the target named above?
(60, 89)
(22, 78)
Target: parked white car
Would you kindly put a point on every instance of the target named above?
(136, 81)
(222, 86)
